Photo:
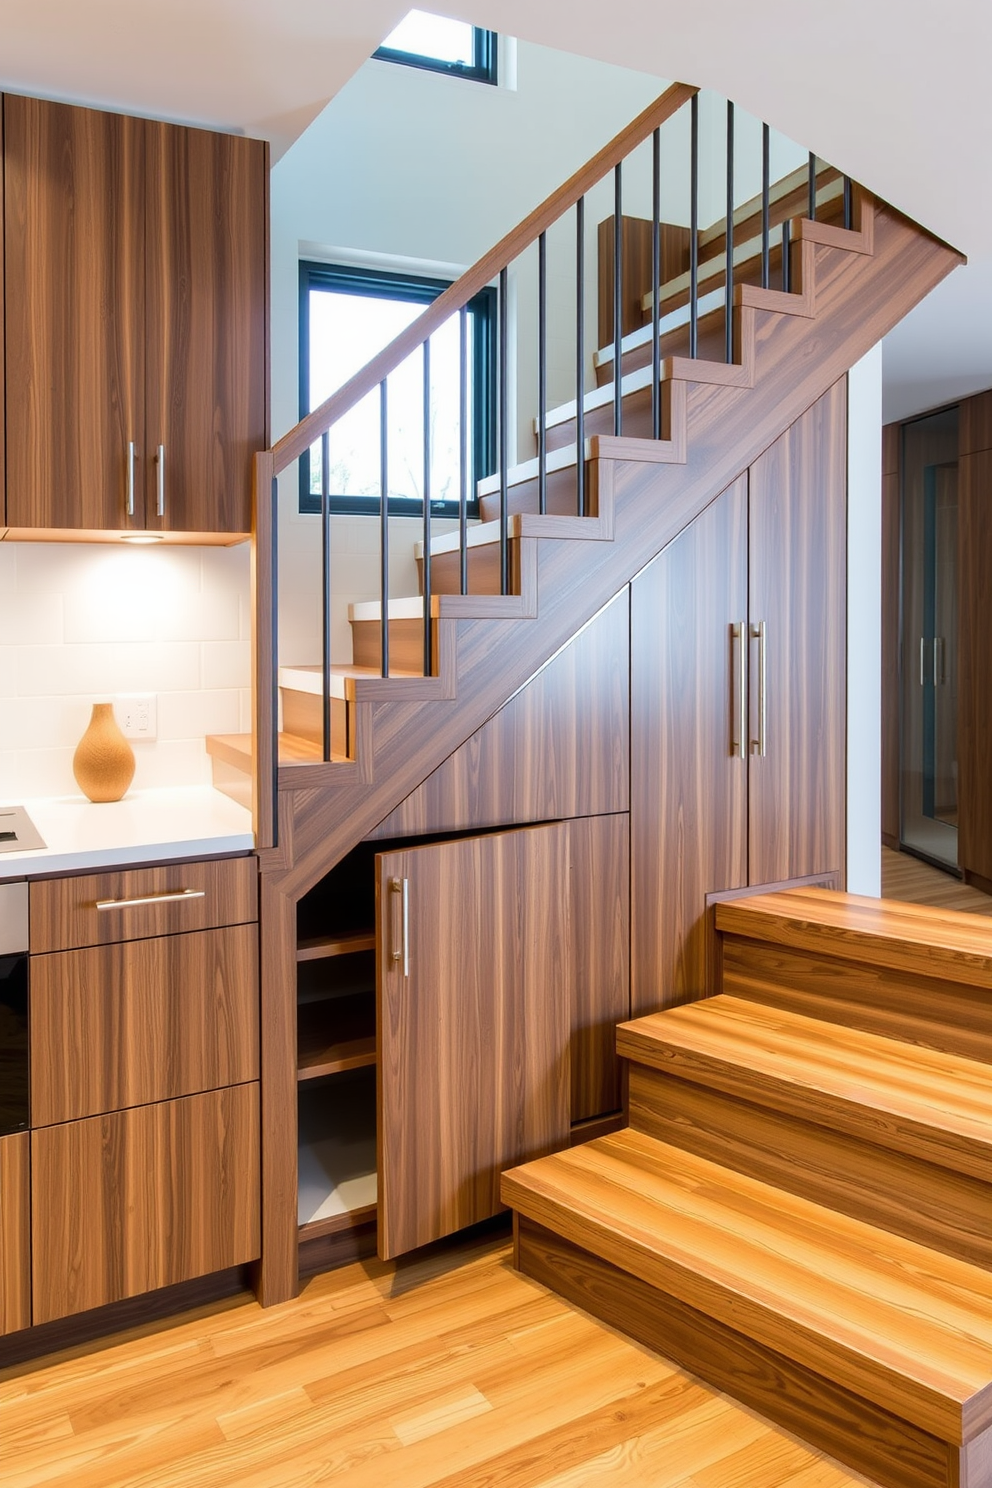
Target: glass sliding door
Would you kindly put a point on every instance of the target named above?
(929, 637)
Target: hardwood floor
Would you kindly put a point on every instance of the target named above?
(908, 878)
(450, 1371)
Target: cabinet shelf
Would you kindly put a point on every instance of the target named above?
(337, 1148)
(320, 947)
(335, 1035)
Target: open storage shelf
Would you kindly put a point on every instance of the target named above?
(345, 943)
(337, 1156)
(335, 1035)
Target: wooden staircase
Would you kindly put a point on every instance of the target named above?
(800, 1210)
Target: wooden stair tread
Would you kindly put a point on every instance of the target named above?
(912, 937)
(933, 1105)
(235, 749)
(903, 1326)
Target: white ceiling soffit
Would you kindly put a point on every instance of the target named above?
(262, 67)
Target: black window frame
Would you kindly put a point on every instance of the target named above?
(484, 67)
(421, 289)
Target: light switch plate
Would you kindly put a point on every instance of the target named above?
(137, 715)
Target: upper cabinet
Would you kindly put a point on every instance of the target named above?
(135, 322)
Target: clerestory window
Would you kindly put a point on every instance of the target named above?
(442, 45)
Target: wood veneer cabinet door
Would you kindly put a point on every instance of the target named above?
(688, 779)
(206, 364)
(15, 1232)
(473, 1024)
(157, 1019)
(74, 300)
(797, 524)
(141, 1199)
(599, 938)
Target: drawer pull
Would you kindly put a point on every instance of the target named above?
(151, 899)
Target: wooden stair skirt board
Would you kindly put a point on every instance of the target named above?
(871, 1347)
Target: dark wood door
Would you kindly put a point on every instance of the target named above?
(599, 940)
(74, 246)
(797, 522)
(206, 299)
(15, 1232)
(473, 1024)
(688, 774)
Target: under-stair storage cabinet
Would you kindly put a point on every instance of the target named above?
(738, 703)
(135, 264)
(144, 1081)
(15, 1232)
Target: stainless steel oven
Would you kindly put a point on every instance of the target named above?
(13, 1007)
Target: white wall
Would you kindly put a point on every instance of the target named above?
(81, 623)
(864, 624)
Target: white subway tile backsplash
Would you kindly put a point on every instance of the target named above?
(82, 623)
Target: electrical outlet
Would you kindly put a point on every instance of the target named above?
(137, 715)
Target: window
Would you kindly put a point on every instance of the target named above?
(440, 45)
(347, 315)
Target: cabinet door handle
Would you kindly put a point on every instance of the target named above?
(760, 634)
(160, 480)
(165, 898)
(130, 478)
(401, 886)
(738, 679)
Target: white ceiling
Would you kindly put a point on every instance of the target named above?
(895, 94)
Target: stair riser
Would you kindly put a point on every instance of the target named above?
(831, 1418)
(303, 715)
(847, 1114)
(524, 496)
(907, 1196)
(937, 1013)
(406, 644)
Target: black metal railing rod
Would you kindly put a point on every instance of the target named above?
(426, 586)
(618, 299)
(848, 204)
(274, 701)
(542, 373)
(694, 225)
(811, 209)
(765, 206)
(325, 595)
(580, 356)
(463, 437)
(656, 284)
(786, 264)
(383, 530)
(729, 294)
(504, 439)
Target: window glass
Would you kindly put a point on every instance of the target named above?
(426, 35)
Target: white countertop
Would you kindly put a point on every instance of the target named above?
(147, 826)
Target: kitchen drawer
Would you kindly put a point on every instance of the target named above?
(142, 1021)
(138, 1200)
(101, 908)
(15, 1232)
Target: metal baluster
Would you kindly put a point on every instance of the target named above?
(383, 530)
(786, 265)
(325, 548)
(542, 374)
(765, 206)
(427, 509)
(694, 226)
(580, 356)
(463, 450)
(812, 187)
(504, 516)
(617, 299)
(848, 204)
(729, 277)
(656, 285)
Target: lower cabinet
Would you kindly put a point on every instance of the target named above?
(467, 1018)
(140, 1199)
(15, 1232)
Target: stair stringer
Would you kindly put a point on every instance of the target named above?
(490, 646)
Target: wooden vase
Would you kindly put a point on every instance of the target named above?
(103, 763)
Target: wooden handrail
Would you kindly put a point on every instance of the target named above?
(309, 429)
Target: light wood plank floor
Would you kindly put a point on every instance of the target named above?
(450, 1372)
(905, 877)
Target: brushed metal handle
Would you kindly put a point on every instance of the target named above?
(160, 480)
(401, 886)
(165, 898)
(130, 477)
(759, 633)
(738, 738)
